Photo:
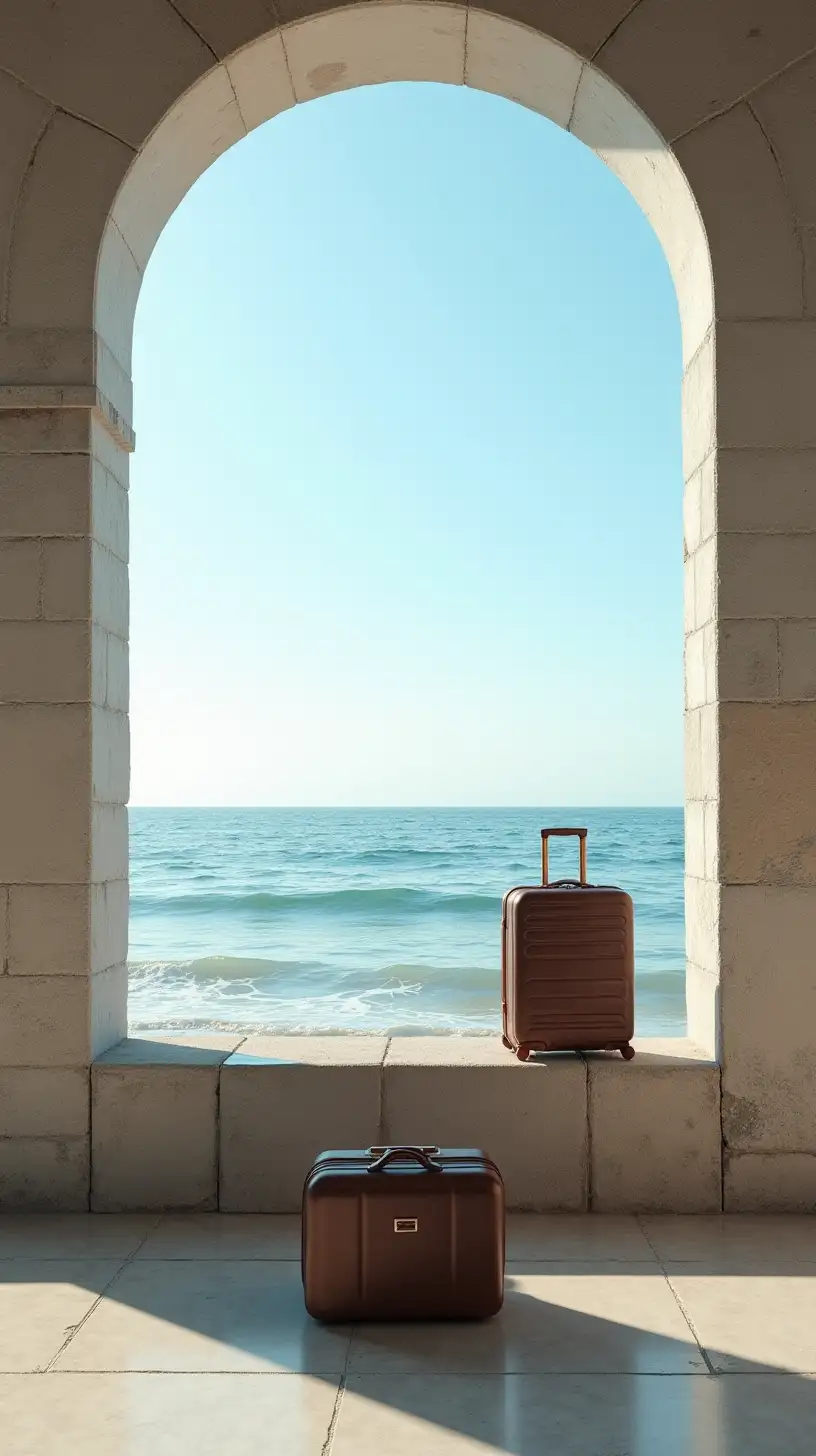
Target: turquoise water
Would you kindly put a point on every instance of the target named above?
(329, 920)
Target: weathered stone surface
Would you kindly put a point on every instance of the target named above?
(769, 1005)
(285, 1099)
(684, 63)
(787, 110)
(44, 1021)
(655, 1131)
(767, 490)
(764, 385)
(513, 61)
(44, 1102)
(770, 1183)
(748, 665)
(767, 753)
(767, 575)
(365, 45)
(470, 1091)
(749, 221)
(44, 803)
(49, 930)
(797, 646)
(44, 1175)
(155, 1124)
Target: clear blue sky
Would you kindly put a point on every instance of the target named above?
(406, 501)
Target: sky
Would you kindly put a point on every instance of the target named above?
(406, 498)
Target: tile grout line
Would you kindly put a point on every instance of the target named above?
(325, 1450)
(75, 1329)
(678, 1301)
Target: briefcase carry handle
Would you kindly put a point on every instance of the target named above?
(416, 1155)
(581, 835)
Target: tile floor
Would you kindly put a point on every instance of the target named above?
(145, 1336)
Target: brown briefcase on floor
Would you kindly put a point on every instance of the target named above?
(568, 964)
(403, 1233)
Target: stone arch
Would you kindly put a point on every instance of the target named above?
(106, 121)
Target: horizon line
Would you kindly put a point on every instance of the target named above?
(364, 808)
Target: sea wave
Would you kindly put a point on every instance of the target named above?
(376, 900)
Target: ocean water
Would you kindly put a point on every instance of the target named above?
(382, 920)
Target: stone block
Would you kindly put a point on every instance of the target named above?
(712, 839)
(44, 1175)
(44, 662)
(749, 223)
(797, 642)
(604, 118)
(770, 1183)
(109, 843)
(765, 383)
(22, 118)
(703, 1019)
(155, 1109)
(226, 30)
(99, 666)
(44, 495)
(510, 60)
(118, 674)
(108, 1009)
(110, 511)
(122, 69)
(43, 1102)
(767, 575)
(110, 591)
(285, 1099)
(261, 80)
(767, 490)
(118, 283)
(694, 819)
(109, 924)
(44, 814)
(701, 752)
(66, 589)
(786, 108)
(705, 583)
(363, 46)
(44, 432)
(19, 580)
(768, 940)
(698, 407)
(469, 1091)
(748, 665)
(49, 930)
(110, 759)
(44, 1021)
(4, 916)
(70, 185)
(701, 667)
(699, 505)
(702, 899)
(683, 64)
(768, 793)
(200, 126)
(655, 1131)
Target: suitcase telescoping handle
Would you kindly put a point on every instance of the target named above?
(581, 835)
(416, 1155)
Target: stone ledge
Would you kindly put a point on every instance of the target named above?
(235, 1122)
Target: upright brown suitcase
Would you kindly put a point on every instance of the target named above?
(403, 1233)
(568, 963)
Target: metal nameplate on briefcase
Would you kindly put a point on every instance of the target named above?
(403, 1233)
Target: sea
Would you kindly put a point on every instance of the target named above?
(373, 920)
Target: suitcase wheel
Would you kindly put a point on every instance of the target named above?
(523, 1053)
(508, 1045)
(627, 1052)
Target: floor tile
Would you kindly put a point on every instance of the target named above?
(200, 1315)
(580, 1318)
(734, 1241)
(528, 1415)
(577, 1415)
(72, 1235)
(40, 1302)
(573, 1236)
(224, 1236)
(165, 1415)
(751, 1322)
